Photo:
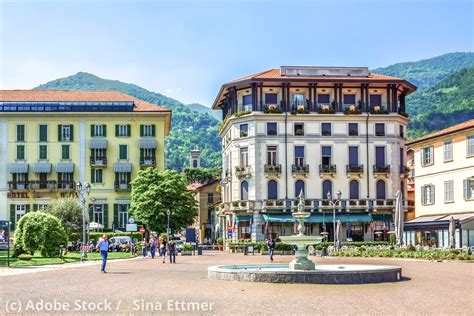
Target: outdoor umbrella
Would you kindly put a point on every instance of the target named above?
(451, 230)
(399, 219)
(338, 234)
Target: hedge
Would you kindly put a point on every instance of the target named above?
(326, 244)
(435, 254)
(259, 246)
(96, 236)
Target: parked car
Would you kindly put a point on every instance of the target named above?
(118, 243)
(179, 245)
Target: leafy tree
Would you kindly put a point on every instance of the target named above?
(69, 212)
(201, 175)
(155, 191)
(39, 231)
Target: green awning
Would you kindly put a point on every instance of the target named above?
(243, 218)
(278, 218)
(318, 218)
(382, 217)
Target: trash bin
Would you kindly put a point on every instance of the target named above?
(199, 250)
(324, 251)
(246, 250)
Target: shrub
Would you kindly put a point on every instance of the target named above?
(188, 247)
(97, 235)
(25, 257)
(69, 212)
(219, 241)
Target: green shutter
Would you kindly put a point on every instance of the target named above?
(27, 208)
(105, 130)
(100, 178)
(60, 127)
(92, 130)
(129, 130)
(91, 212)
(116, 130)
(116, 216)
(20, 152)
(122, 151)
(92, 176)
(106, 216)
(465, 189)
(20, 133)
(153, 130)
(12, 216)
(35, 207)
(72, 132)
(141, 130)
(43, 129)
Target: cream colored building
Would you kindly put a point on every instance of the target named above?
(444, 186)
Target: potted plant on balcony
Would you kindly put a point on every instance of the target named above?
(243, 204)
(269, 203)
(235, 203)
(279, 203)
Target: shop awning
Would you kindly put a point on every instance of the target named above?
(98, 144)
(148, 143)
(42, 167)
(438, 221)
(278, 218)
(319, 218)
(19, 168)
(123, 167)
(243, 218)
(65, 167)
(382, 217)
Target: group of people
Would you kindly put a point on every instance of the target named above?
(163, 247)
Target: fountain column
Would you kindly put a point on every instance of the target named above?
(257, 222)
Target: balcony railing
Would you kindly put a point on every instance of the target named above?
(122, 186)
(325, 108)
(404, 170)
(147, 161)
(299, 108)
(18, 185)
(50, 185)
(272, 169)
(344, 205)
(98, 161)
(381, 169)
(66, 185)
(354, 169)
(243, 171)
(272, 108)
(300, 169)
(379, 109)
(327, 169)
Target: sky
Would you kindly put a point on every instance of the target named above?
(188, 49)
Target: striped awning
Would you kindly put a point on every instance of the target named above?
(98, 144)
(65, 167)
(42, 167)
(123, 167)
(148, 143)
(19, 168)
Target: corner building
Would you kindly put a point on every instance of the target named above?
(49, 140)
(318, 130)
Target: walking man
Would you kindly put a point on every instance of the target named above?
(163, 249)
(103, 247)
(172, 250)
(271, 247)
(152, 247)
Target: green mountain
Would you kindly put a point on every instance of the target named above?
(204, 109)
(189, 128)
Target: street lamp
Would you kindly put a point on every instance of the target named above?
(168, 212)
(82, 191)
(333, 204)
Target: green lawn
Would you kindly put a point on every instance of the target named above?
(71, 257)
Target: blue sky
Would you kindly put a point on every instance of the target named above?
(187, 49)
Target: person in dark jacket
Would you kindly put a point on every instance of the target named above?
(172, 251)
(271, 247)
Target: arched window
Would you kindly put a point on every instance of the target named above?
(299, 186)
(354, 190)
(244, 190)
(195, 163)
(380, 190)
(272, 189)
(327, 187)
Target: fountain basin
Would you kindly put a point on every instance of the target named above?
(322, 274)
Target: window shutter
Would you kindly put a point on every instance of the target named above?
(106, 216)
(91, 212)
(129, 130)
(12, 216)
(35, 207)
(116, 130)
(141, 130)
(92, 176)
(105, 130)
(432, 194)
(92, 130)
(153, 130)
(60, 127)
(116, 217)
(71, 133)
(27, 208)
(423, 197)
(465, 189)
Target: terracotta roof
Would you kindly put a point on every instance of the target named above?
(194, 186)
(452, 129)
(77, 96)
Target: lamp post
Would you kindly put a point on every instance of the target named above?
(333, 204)
(168, 212)
(82, 190)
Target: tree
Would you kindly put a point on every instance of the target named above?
(154, 192)
(39, 231)
(201, 175)
(69, 212)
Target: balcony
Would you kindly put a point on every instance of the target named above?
(324, 108)
(327, 170)
(272, 170)
(299, 108)
(18, 186)
(66, 185)
(122, 186)
(98, 162)
(147, 161)
(351, 109)
(381, 170)
(272, 108)
(354, 170)
(243, 171)
(43, 186)
(379, 109)
(298, 169)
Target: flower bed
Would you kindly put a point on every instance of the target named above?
(433, 254)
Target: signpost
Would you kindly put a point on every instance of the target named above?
(142, 229)
(5, 238)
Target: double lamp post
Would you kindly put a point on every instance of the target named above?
(83, 190)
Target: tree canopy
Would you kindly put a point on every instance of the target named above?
(69, 212)
(201, 175)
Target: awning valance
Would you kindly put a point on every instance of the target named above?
(123, 167)
(382, 217)
(65, 167)
(319, 218)
(148, 143)
(19, 168)
(438, 221)
(42, 167)
(98, 144)
(243, 218)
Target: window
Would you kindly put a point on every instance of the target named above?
(96, 176)
(98, 214)
(427, 156)
(20, 210)
(380, 156)
(427, 194)
(326, 129)
(65, 133)
(123, 130)
(195, 163)
(354, 190)
(353, 129)
(470, 145)
(323, 99)
(43, 152)
(147, 130)
(402, 131)
(149, 153)
(271, 98)
(298, 99)
(327, 188)
(123, 178)
(20, 152)
(247, 102)
(299, 187)
(380, 187)
(448, 191)
(299, 129)
(210, 198)
(20, 133)
(244, 157)
(375, 100)
(98, 153)
(349, 99)
(379, 129)
(65, 177)
(123, 152)
(244, 190)
(244, 130)
(326, 153)
(299, 156)
(448, 151)
(272, 155)
(272, 190)
(99, 130)
(123, 215)
(65, 152)
(353, 156)
(43, 133)
(272, 128)
(468, 189)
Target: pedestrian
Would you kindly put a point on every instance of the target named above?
(144, 248)
(172, 251)
(103, 247)
(163, 249)
(271, 247)
(152, 247)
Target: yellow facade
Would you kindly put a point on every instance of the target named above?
(206, 196)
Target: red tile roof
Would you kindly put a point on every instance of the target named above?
(194, 186)
(452, 129)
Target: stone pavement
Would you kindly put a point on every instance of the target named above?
(146, 286)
